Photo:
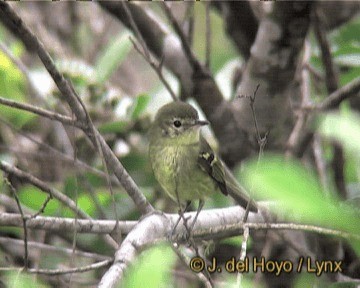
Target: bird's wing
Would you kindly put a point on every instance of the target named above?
(222, 176)
(212, 165)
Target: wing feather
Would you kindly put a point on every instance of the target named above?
(222, 176)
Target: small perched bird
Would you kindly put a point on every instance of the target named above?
(184, 163)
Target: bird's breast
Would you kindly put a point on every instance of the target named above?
(176, 169)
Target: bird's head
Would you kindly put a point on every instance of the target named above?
(177, 122)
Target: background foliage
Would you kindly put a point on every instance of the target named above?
(122, 93)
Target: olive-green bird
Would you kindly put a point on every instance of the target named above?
(184, 163)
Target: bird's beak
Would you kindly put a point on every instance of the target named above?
(201, 122)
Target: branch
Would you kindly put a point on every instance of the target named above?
(78, 108)
(125, 179)
(145, 52)
(274, 60)
(157, 68)
(44, 187)
(42, 112)
(54, 153)
(302, 115)
(81, 269)
(196, 66)
(241, 23)
(211, 224)
(208, 35)
(13, 191)
(15, 247)
(168, 47)
(67, 225)
(31, 40)
(351, 89)
(331, 78)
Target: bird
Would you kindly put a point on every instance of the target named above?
(184, 164)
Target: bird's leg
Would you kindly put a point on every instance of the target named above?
(181, 216)
(247, 210)
(201, 205)
(181, 213)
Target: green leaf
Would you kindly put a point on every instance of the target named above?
(112, 56)
(34, 198)
(12, 86)
(114, 127)
(350, 74)
(348, 33)
(152, 269)
(306, 280)
(296, 188)
(86, 203)
(21, 279)
(140, 105)
(344, 128)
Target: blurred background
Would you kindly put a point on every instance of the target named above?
(92, 46)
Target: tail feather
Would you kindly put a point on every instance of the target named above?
(237, 192)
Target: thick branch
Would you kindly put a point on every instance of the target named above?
(67, 225)
(272, 64)
(167, 47)
(211, 224)
(241, 23)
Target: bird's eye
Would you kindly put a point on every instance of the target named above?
(177, 123)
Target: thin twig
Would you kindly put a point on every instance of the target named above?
(351, 89)
(189, 21)
(54, 153)
(135, 28)
(44, 187)
(157, 68)
(331, 80)
(205, 279)
(261, 140)
(13, 244)
(81, 269)
(208, 35)
(320, 162)
(145, 52)
(42, 112)
(187, 49)
(237, 229)
(78, 108)
(31, 40)
(243, 253)
(316, 74)
(305, 100)
(43, 206)
(13, 192)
